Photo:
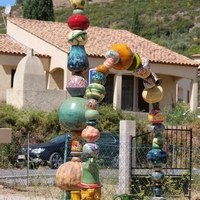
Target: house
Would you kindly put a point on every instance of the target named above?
(50, 45)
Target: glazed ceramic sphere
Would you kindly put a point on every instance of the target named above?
(125, 54)
(77, 60)
(99, 77)
(78, 22)
(69, 174)
(92, 103)
(153, 95)
(136, 62)
(72, 113)
(157, 128)
(157, 157)
(103, 69)
(78, 3)
(77, 37)
(91, 114)
(91, 150)
(158, 176)
(155, 116)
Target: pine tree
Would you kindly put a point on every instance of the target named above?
(135, 27)
(38, 9)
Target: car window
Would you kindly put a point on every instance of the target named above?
(59, 139)
(106, 137)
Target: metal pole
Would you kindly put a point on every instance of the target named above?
(28, 159)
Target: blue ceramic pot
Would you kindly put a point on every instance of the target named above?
(78, 60)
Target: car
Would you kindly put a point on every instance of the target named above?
(52, 153)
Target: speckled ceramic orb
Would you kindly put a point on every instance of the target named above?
(155, 116)
(77, 37)
(125, 54)
(91, 150)
(99, 77)
(72, 113)
(78, 3)
(77, 81)
(157, 157)
(78, 60)
(92, 103)
(153, 95)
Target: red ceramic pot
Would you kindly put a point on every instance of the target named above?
(78, 22)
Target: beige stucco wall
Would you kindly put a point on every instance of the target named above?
(5, 81)
(169, 74)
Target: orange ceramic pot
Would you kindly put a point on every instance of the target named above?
(126, 56)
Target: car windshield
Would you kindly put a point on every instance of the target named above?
(59, 139)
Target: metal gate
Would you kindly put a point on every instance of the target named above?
(178, 145)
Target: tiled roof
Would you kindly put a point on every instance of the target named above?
(9, 46)
(100, 40)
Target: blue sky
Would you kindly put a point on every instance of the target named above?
(6, 2)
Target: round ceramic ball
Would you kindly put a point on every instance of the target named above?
(72, 113)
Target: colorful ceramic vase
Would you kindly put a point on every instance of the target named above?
(78, 60)
(92, 103)
(72, 113)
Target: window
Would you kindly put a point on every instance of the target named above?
(12, 77)
(127, 92)
(109, 86)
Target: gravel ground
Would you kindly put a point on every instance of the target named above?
(29, 193)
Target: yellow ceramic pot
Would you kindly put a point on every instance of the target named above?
(153, 95)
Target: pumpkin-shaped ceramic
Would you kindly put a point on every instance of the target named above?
(126, 56)
(69, 174)
(153, 95)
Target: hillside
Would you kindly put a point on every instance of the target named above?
(176, 27)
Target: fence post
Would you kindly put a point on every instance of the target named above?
(127, 129)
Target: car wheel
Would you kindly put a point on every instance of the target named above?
(115, 162)
(55, 160)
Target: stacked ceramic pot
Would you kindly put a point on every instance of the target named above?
(152, 94)
(72, 111)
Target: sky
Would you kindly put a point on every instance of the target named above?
(6, 2)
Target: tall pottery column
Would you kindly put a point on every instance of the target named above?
(72, 111)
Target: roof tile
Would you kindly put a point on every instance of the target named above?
(100, 40)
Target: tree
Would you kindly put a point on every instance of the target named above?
(38, 9)
(135, 27)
